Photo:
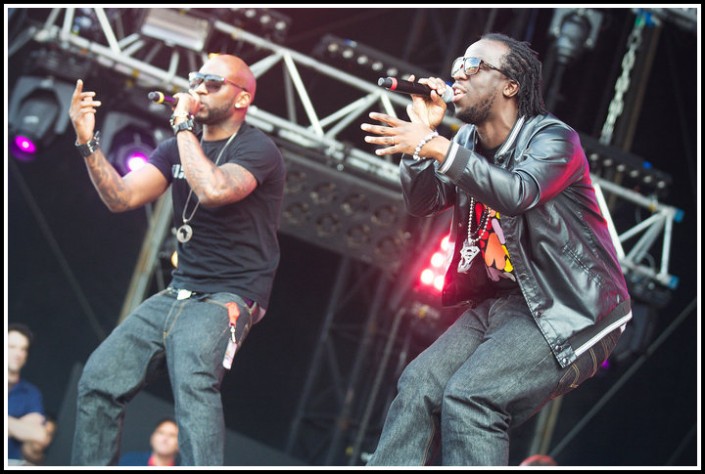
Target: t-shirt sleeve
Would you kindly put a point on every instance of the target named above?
(161, 157)
(30, 402)
(257, 154)
(35, 402)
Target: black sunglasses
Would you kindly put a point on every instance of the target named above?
(471, 66)
(213, 82)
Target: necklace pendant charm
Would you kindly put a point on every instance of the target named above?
(467, 254)
(184, 233)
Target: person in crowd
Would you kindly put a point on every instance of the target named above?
(164, 447)
(28, 430)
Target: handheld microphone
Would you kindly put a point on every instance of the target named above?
(161, 98)
(408, 87)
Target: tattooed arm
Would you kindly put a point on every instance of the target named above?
(214, 185)
(118, 193)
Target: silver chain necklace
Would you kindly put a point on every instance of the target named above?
(185, 232)
(470, 249)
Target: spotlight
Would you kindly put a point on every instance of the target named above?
(135, 155)
(128, 141)
(263, 22)
(364, 60)
(431, 319)
(631, 170)
(574, 29)
(175, 28)
(38, 113)
(130, 152)
(25, 144)
(341, 212)
(87, 24)
(432, 275)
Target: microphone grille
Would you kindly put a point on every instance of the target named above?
(448, 95)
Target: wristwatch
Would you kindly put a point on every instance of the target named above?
(185, 125)
(91, 147)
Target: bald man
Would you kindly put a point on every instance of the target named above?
(227, 183)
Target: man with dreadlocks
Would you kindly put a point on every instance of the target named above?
(532, 261)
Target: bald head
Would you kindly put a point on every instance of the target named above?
(234, 69)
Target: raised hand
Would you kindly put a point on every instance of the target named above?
(82, 112)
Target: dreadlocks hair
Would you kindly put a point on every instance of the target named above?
(523, 66)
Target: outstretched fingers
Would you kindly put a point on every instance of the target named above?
(383, 135)
(83, 101)
(82, 112)
(387, 130)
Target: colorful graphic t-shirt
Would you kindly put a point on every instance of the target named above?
(492, 247)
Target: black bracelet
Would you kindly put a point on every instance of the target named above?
(91, 147)
(186, 125)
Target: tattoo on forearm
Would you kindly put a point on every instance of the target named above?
(196, 177)
(217, 184)
(239, 182)
(107, 182)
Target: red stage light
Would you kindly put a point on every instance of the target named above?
(432, 276)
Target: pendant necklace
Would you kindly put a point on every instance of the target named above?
(185, 232)
(470, 249)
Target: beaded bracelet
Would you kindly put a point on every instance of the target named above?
(421, 144)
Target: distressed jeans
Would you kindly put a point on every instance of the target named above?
(190, 337)
(490, 370)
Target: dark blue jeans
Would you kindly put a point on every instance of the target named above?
(491, 369)
(189, 336)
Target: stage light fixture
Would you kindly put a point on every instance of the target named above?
(630, 170)
(176, 28)
(88, 24)
(364, 60)
(432, 276)
(341, 212)
(575, 29)
(128, 141)
(263, 22)
(38, 113)
(134, 155)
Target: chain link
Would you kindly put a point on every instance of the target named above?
(622, 85)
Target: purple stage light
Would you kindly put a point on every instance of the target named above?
(25, 145)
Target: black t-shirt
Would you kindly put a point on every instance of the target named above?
(234, 248)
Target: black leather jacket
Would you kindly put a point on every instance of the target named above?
(563, 257)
